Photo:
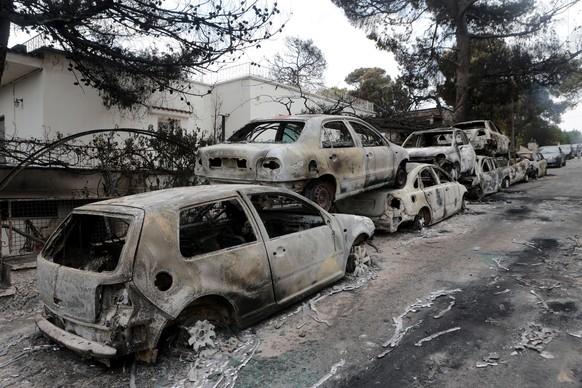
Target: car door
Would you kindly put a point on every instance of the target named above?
(345, 157)
(434, 193)
(452, 192)
(379, 157)
(467, 153)
(304, 249)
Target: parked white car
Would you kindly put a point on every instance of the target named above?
(485, 137)
(429, 196)
(323, 157)
(448, 148)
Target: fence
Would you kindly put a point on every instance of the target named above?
(26, 224)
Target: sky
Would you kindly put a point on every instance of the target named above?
(346, 47)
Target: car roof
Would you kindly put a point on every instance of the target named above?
(435, 130)
(304, 117)
(180, 197)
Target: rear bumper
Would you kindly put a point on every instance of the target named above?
(74, 342)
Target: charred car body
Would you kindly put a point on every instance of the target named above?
(116, 273)
(321, 156)
(448, 148)
(429, 196)
(489, 177)
(539, 165)
(518, 168)
(485, 137)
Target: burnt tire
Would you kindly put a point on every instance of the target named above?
(505, 183)
(477, 192)
(400, 178)
(464, 203)
(321, 192)
(422, 219)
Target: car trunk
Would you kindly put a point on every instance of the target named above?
(84, 265)
(234, 161)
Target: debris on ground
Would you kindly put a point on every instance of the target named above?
(502, 292)
(491, 360)
(451, 304)
(333, 371)
(527, 244)
(435, 335)
(220, 368)
(400, 331)
(542, 301)
(535, 337)
(498, 261)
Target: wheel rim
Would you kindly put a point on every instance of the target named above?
(321, 194)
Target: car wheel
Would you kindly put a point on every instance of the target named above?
(321, 192)
(505, 183)
(422, 219)
(478, 192)
(464, 203)
(358, 259)
(400, 178)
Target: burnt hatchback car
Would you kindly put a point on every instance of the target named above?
(116, 273)
(429, 196)
(323, 157)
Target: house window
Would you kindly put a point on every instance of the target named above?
(168, 123)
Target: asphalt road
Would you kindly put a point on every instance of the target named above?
(487, 298)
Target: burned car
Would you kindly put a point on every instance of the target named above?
(429, 196)
(518, 168)
(489, 177)
(448, 148)
(538, 164)
(323, 157)
(485, 137)
(116, 273)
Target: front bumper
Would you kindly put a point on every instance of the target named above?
(74, 342)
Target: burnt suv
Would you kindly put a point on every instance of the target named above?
(116, 273)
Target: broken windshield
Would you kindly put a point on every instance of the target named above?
(268, 132)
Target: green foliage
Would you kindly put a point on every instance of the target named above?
(373, 84)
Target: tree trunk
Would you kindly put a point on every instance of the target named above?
(463, 68)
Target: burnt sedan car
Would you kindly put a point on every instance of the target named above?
(538, 165)
(323, 157)
(554, 155)
(485, 137)
(448, 148)
(489, 177)
(429, 196)
(116, 273)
